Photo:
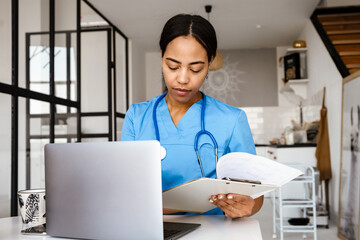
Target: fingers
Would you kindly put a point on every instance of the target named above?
(239, 198)
(233, 205)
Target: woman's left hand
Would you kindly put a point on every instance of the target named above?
(234, 205)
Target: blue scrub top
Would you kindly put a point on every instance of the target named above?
(228, 125)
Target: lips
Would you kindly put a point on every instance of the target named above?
(181, 91)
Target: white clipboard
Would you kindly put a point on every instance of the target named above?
(194, 196)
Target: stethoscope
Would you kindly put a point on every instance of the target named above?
(202, 131)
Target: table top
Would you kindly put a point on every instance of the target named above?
(212, 227)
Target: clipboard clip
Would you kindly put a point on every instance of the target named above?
(241, 180)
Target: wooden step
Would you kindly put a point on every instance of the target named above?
(349, 66)
(327, 16)
(345, 37)
(351, 60)
(346, 48)
(346, 42)
(342, 27)
(355, 17)
(354, 70)
(349, 53)
(343, 32)
(340, 23)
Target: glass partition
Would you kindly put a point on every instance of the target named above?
(72, 65)
(104, 82)
(22, 142)
(5, 154)
(5, 41)
(38, 63)
(65, 47)
(65, 123)
(94, 71)
(65, 15)
(89, 18)
(34, 17)
(95, 125)
(119, 124)
(61, 66)
(120, 67)
(37, 166)
(38, 134)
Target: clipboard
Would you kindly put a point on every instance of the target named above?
(194, 196)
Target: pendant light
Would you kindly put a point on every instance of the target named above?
(217, 63)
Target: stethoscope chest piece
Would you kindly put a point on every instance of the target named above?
(162, 152)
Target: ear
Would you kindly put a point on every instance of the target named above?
(351, 117)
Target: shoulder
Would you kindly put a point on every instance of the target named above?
(138, 109)
(224, 109)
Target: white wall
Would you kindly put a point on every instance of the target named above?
(322, 72)
(5, 42)
(94, 80)
(5, 154)
(65, 15)
(137, 89)
(337, 3)
(247, 78)
(154, 85)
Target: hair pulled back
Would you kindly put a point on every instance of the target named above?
(190, 25)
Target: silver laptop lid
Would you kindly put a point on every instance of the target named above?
(109, 190)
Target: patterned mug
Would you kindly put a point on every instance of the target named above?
(32, 206)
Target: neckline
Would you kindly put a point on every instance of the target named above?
(167, 120)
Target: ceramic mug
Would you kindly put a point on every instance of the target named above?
(32, 206)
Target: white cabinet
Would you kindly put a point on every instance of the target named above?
(291, 155)
(303, 155)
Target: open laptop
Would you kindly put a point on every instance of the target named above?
(109, 190)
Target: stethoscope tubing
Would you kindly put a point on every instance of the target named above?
(201, 132)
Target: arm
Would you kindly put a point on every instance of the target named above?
(241, 138)
(237, 205)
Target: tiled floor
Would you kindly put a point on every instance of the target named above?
(266, 223)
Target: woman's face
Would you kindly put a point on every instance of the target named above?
(185, 66)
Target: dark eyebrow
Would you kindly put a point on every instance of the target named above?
(193, 63)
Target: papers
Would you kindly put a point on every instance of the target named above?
(193, 196)
(251, 167)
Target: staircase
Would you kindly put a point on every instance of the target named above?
(339, 28)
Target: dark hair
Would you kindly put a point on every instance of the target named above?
(190, 25)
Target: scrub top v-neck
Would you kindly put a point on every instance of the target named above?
(228, 124)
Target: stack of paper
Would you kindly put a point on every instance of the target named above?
(193, 196)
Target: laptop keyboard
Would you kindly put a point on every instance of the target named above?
(170, 232)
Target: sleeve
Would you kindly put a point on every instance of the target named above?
(128, 130)
(241, 138)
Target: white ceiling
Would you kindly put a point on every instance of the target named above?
(235, 21)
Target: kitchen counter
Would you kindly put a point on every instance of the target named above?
(296, 145)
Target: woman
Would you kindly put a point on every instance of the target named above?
(188, 46)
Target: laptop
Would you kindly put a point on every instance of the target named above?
(109, 190)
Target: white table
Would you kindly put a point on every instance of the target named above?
(212, 227)
(219, 227)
